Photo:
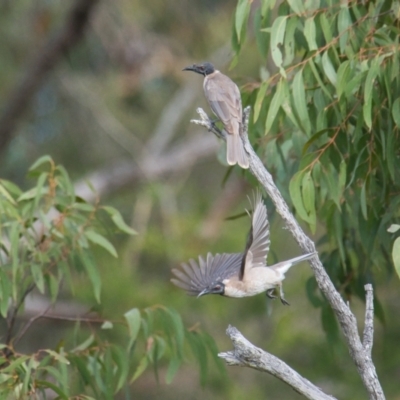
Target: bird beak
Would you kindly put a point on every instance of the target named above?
(189, 68)
(205, 291)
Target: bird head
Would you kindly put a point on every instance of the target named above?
(202, 69)
(215, 288)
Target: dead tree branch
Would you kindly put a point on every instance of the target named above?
(361, 355)
(245, 354)
(44, 62)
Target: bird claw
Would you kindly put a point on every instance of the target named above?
(284, 302)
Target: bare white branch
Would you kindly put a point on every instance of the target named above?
(346, 318)
(245, 354)
(368, 335)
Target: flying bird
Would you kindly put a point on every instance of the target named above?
(239, 274)
(224, 98)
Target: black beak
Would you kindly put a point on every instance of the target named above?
(190, 68)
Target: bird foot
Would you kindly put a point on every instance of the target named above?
(284, 302)
(270, 295)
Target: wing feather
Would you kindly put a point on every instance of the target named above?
(200, 275)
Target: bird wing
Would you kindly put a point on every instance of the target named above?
(258, 242)
(224, 98)
(195, 277)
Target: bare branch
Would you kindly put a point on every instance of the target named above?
(44, 62)
(347, 320)
(368, 335)
(25, 328)
(245, 354)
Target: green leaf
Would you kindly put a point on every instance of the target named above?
(32, 193)
(107, 325)
(310, 34)
(93, 274)
(344, 22)
(120, 358)
(172, 369)
(396, 255)
(100, 240)
(179, 330)
(133, 319)
(11, 187)
(296, 195)
(118, 220)
(41, 161)
(241, 17)
(368, 88)
(342, 176)
(52, 386)
(297, 6)
(57, 356)
(308, 192)
(300, 101)
(277, 35)
(38, 278)
(4, 192)
(343, 77)
(144, 362)
(393, 228)
(84, 345)
(396, 112)
(275, 104)
(363, 198)
(259, 100)
(329, 69)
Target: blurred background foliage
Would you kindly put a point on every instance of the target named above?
(323, 80)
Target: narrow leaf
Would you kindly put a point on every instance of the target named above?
(396, 255)
(133, 319)
(100, 240)
(310, 34)
(259, 99)
(329, 69)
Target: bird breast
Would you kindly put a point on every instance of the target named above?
(256, 280)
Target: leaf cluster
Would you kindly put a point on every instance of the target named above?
(48, 235)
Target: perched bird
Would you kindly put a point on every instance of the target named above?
(224, 98)
(240, 274)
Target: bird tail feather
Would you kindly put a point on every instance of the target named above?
(235, 151)
(284, 266)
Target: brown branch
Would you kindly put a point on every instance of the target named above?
(346, 318)
(43, 63)
(12, 316)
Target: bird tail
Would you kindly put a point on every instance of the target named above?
(235, 151)
(284, 266)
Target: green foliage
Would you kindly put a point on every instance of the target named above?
(328, 115)
(47, 238)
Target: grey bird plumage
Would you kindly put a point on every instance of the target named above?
(223, 95)
(239, 274)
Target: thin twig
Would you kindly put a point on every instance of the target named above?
(11, 318)
(368, 334)
(29, 324)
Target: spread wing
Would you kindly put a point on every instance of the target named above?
(195, 277)
(224, 98)
(258, 241)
